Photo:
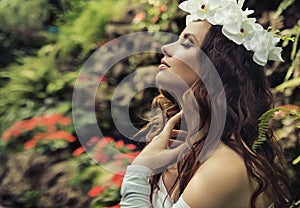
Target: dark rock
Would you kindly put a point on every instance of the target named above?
(30, 179)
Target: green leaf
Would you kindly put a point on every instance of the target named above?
(283, 6)
(263, 124)
(290, 83)
(297, 160)
(263, 127)
(294, 66)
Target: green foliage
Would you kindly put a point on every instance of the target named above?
(283, 6)
(85, 30)
(21, 27)
(296, 204)
(32, 199)
(34, 87)
(48, 146)
(295, 58)
(295, 82)
(263, 127)
(43, 82)
(296, 161)
(108, 198)
(30, 17)
(41, 79)
(157, 15)
(94, 174)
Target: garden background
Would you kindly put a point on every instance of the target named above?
(44, 44)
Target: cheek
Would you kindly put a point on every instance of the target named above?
(188, 74)
(187, 58)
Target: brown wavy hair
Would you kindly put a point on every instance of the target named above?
(248, 96)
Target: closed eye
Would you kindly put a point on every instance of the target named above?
(187, 43)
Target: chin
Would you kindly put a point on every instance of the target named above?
(171, 83)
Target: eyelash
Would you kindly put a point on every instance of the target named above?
(187, 43)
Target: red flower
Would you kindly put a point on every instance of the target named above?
(78, 151)
(109, 139)
(95, 191)
(103, 142)
(11, 132)
(154, 19)
(289, 108)
(129, 156)
(139, 17)
(30, 144)
(115, 206)
(48, 121)
(117, 179)
(101, 79)
(119, 156)
(29, 124)
(92, 141)
(101, 157)
(6, 135)
(51, 120)
(83, 77)
(49, 136)
(119, 144)
(14, 130)
(163, 8)
(132, 155)
(61, 135)
(130, 146)
(118, 163)
(65, 121)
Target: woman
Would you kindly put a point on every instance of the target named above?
(218, 169)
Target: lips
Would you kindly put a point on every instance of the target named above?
(163, 65)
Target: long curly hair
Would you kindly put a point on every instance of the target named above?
(248, 96)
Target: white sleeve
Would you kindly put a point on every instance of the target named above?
(136, 190)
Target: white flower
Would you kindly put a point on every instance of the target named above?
(275, 52)
(229, 14)
(235, 23)
(260, 43)
(189, 18)
(239, 34)
(236, 26)
(201, 9)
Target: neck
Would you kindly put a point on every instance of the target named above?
(191, 112)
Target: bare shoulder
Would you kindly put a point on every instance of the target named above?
(221, 180)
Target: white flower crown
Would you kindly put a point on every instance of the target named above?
(236, 26)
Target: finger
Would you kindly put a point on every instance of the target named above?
(178, 133)
(174, 143)
(175, 154)
(172, 122)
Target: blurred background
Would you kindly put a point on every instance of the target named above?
(44, 44)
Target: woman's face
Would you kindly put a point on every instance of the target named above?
(179, 63)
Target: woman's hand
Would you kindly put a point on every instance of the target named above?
(157, 154)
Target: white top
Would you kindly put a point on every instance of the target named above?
(136, 191)
(162, 199)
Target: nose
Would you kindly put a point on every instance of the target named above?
(166, 50)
